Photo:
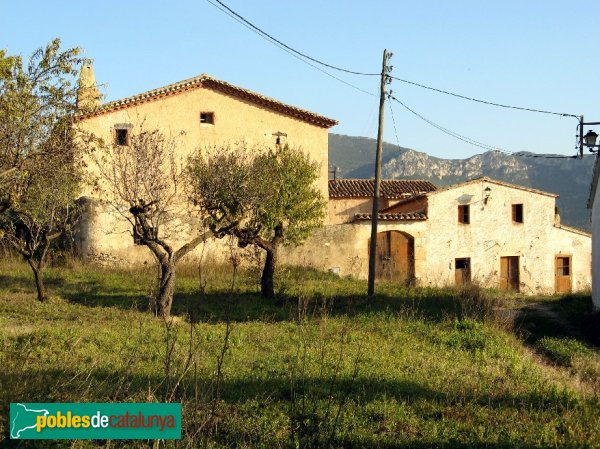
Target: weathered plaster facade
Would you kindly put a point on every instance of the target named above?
(490, 235)
(176, 110)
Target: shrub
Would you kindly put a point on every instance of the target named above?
(476, 303)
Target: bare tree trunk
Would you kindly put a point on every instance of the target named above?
(267, 289)
(166, 287)
(39, 282)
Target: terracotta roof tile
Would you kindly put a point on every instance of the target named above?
(407, 216)
(215, 84)
(390, 188)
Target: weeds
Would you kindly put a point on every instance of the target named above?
(475, 302)
(410, 367)
(563, 350)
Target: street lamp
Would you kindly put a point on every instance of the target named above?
(589, 140)
(487, 191)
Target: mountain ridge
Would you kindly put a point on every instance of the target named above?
(570, 178)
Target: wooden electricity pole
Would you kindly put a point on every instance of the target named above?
(374, 213)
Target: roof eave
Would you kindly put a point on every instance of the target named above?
(215, 84)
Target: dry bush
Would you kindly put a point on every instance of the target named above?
(475, 302)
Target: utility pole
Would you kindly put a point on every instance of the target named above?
(374, 213)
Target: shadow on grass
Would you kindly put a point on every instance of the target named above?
(248, 306)
(242, 395)
(340, 297)
(571, 316)
(25, 283)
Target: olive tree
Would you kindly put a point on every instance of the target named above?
(39, 172)
(267, 200)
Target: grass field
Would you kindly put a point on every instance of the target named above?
(321, 366)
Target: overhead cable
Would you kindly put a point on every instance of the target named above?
(275, 40)
(474, 142)
(490, 103)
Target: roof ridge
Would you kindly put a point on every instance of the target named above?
(217, 84)
(494, 181)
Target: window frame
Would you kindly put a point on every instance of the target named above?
(205, 122)
(464, 214)
(518, 213)
(120, 128)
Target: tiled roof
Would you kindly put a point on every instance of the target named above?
(390, 188)
(413, 199)
(218, 85)
(407, 216)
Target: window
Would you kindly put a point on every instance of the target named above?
(462, 264)
(563, 266)
(280, 138)
(463, 214)
(122, 133)
(121, 137)
(517, 213)
(207, 118)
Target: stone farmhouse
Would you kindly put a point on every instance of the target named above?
(201, 111)
(498, 234)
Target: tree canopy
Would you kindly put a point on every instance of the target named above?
(268, 199)
(39, 172)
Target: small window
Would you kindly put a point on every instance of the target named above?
(563, 266)
(463, 214)
(122, 137)
(208, 118)
(517, 213)
(280, 138)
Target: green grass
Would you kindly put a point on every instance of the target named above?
(320, 366)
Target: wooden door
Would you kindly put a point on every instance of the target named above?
(562, 274)
(394, 257)
(383, 257)
(509, 273)
(462, 271)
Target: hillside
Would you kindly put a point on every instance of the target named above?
(569, 178)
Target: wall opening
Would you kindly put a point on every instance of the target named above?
(395, 257)
(562, 273)
(509, 273)
(462, 271)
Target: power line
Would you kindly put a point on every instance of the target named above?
(304, 57)
(273, 39)
(284, 47)
(299, 55)
(394, 122)
(490, 103)
(471, 141)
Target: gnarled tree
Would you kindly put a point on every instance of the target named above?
(142, 181)
(266, 200)
(39, 173)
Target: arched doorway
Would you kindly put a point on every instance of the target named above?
(395, 257)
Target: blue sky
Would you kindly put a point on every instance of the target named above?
(531, 53)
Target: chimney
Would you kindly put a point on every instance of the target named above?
(88, 96)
